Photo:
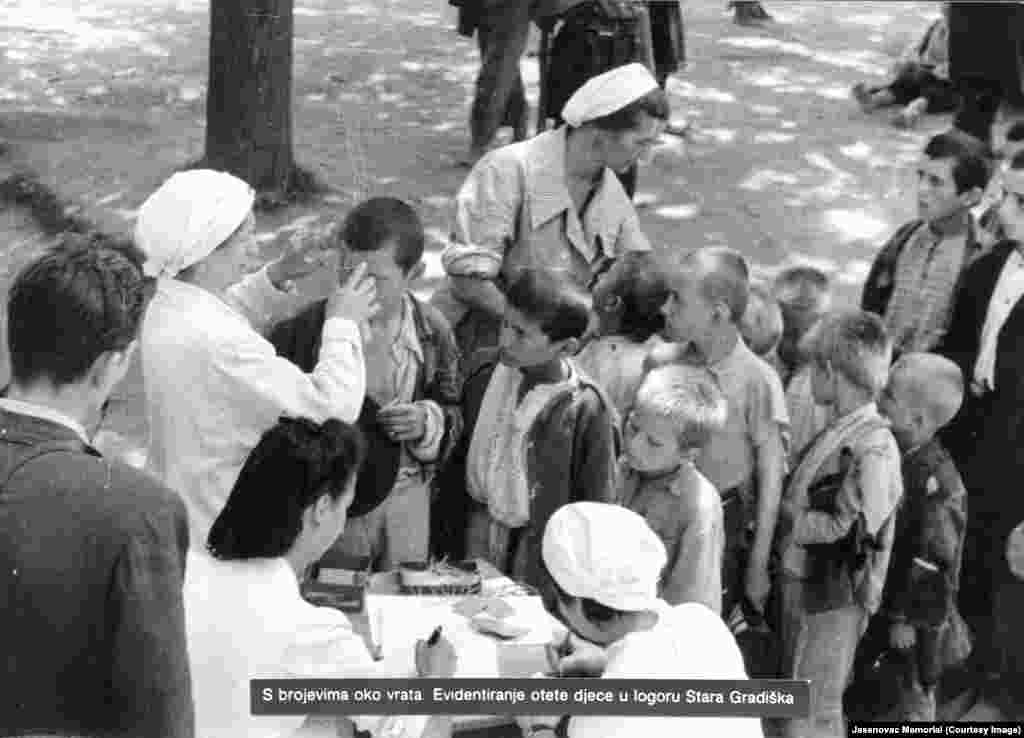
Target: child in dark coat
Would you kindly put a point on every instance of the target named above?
(918, 604)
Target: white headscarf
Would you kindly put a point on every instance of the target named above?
(608, 92)
(576, 553)
(189, 216)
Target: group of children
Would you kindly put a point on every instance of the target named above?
(763, 437)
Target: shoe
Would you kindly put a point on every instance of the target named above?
(860, 93)
(909, 116)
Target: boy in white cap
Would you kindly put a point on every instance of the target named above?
(213, 383)
(608, 596)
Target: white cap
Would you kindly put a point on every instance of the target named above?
(604, 553)
(189, 216)
(608, 92)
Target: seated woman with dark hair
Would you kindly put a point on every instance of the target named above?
(245, 616)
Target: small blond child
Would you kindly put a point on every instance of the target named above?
(919, 601)
(761, 326)
(677, 409)
(804, 296)
(837, 523)
(708, 294)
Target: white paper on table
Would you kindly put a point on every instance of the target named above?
(401, 620)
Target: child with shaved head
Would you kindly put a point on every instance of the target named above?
(918, 604)
(707, 298)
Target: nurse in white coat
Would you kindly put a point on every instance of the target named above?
(213, 384)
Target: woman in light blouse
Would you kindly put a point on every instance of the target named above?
(245, 616)
(552, 203)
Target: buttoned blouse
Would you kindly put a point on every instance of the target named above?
(514, 211)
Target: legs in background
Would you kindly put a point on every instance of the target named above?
(500, 97)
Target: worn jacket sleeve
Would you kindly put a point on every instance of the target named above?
(870, 471)
(259, 386)
(879, 283)
(595, 452)
(150, 676)
(446, 385)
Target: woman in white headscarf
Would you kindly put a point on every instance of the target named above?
(552, 202)
(213, 384)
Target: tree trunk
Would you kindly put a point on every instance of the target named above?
(249, 98)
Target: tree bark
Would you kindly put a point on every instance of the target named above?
(249, 97)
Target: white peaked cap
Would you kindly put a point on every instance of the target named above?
(604, 94)
(606, 553)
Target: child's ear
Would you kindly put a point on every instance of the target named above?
(416, 272)
(972, 197)
(570, 347)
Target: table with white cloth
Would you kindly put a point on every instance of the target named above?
(404, 618)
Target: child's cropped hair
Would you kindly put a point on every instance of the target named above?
(803, 288)
(687, 396)
(856, 345)
(381, 221)
(724, 278)
(637, 279)
(934, 384)
(761, 326)
(560, 307)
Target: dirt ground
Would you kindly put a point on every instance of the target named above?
(104, 99)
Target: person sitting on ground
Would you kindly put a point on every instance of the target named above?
(543, 434)
(920, 82)
(607, 598)
(92, 551)
(919, 599)
(914, 278)
(804, 295)
(837, 524)
(412, 373)
(677, 409)
(745, 461)
(761, 326)
(627, 305)
(213, 383)
(245, 615)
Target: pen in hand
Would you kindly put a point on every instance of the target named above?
(434, 637)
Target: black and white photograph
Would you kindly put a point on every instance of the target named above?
(592, 368)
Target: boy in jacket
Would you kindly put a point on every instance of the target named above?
(543, 435)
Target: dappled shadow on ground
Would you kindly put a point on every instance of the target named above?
(106, 98)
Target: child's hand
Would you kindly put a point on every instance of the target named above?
(577, 658)
(902, 637)
(403, 422)
(758, 586)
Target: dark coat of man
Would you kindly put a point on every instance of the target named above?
(92, 560)
(984, 438)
